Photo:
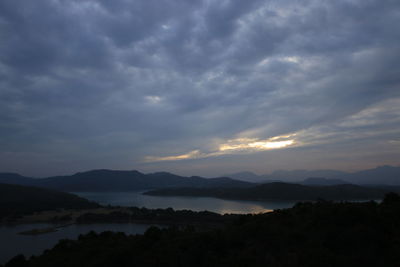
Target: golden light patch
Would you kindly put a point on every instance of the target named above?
(190, 155)
(256, 144)
(234, 146)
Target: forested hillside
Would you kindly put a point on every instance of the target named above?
(16, 200)
(281, 191)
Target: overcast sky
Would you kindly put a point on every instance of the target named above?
(198, 87)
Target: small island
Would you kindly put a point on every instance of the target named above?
(39, 231)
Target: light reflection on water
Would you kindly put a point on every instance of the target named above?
(221, 206)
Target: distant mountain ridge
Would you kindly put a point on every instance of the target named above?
(293, 176)
(246, 176)
(381, 175)
(118, 181)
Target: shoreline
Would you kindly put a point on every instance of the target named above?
(115, 215)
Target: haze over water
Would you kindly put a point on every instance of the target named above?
(179, 203)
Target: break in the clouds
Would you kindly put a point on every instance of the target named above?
(198, 87)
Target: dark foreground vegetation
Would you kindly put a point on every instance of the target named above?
(167, 216)
(17, 200)
(281, 191)
(309, 234)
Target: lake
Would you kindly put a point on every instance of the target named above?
(129, 199)
(11, 243)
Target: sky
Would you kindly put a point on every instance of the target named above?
(202, 87)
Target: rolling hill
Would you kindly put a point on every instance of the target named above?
(17, 199)
(280, 191)
(119, 181)
(381, 175)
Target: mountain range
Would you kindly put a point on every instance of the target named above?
(382, 175)
(118, 181)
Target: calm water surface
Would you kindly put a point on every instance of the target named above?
(179, 203)
(11, 243)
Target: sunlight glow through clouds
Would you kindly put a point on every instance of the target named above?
(340, 131)
(234, 146)
(191, 155)
(254, 144)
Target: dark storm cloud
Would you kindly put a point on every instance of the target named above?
(87, 84)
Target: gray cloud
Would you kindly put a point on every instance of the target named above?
(89, 84)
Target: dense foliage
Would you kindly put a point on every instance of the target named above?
(309, 234)
(160, 216)
(17, 200)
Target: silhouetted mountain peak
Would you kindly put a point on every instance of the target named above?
(388, 175)
(245, 176)
(115, 180)
(163, 174)
(247, 173)
(107, 172)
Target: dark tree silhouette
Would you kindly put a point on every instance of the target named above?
(323, 233)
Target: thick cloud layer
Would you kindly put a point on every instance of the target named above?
(169, 85)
